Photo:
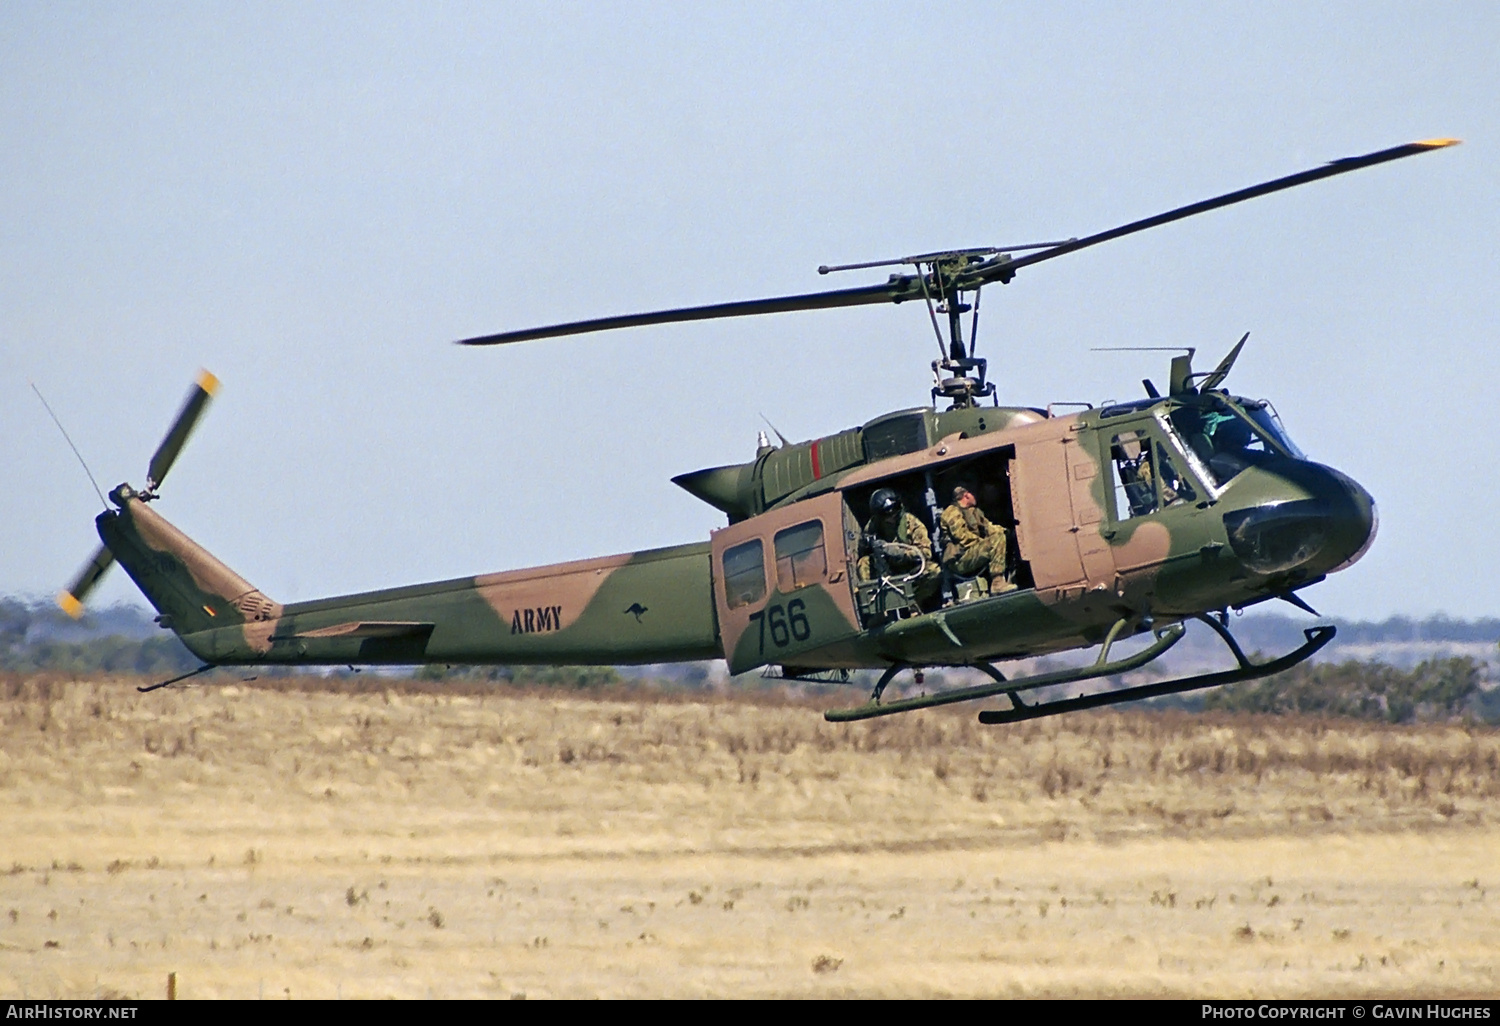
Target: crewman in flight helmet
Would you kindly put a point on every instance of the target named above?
(898, 540)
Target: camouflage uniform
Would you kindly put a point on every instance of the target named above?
(914, 546)
(973, 545)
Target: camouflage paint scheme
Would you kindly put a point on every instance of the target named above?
(1090, 564)
(1125, 519)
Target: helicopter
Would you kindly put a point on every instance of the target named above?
(1120, 521)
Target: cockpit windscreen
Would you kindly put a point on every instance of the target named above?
(1229, 435)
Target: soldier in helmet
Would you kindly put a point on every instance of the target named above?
(971, 544)
(896, 544)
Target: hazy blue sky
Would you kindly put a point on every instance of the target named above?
(314, 200)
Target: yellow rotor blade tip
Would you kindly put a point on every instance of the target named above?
(69, 604)
(208, 382)
(1436, 144)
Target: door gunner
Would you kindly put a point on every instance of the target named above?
(898, 540)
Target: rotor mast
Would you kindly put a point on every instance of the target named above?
(943, 278)
(960, 377)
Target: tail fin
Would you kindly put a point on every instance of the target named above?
(161, 461)
(191, 589)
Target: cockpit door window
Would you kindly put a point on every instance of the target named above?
(1174, 488)
(1134, 476)
(1146, 475)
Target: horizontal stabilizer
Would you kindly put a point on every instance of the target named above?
(370, 629)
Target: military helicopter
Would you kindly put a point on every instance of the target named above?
(1120, 521)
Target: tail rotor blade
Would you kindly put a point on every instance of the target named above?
(72, 600)
(166, 454)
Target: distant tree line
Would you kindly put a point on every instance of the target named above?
(1405, 629)
(35, 636)
(1439, 689)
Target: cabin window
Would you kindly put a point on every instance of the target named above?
(1135, 481)
(801, 558)
(744, 574)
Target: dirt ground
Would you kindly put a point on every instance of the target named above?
(275, 843)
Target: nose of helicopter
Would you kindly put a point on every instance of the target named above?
(1327, 527)
(1360, 522)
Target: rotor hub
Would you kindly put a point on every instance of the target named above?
(961, 381)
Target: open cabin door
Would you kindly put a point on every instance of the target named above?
(1057, 491)
(781, 583)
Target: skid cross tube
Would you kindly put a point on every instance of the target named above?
(1099, 668)
(1316, 637)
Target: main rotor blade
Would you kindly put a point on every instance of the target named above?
(899, 289)
(177, 436)
(72, 599)
(1002, 270)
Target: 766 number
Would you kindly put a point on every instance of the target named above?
(784, 624)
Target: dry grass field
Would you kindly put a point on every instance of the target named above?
(278, 842)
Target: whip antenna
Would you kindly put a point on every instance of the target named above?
(64, 431)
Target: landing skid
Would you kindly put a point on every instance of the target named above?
(1316, 637)
(1101, 667)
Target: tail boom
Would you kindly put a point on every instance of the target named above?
(643, 607)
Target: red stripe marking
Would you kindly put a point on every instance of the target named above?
(817, 463)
